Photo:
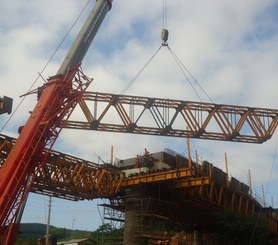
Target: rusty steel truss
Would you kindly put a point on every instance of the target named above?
(199, 188)
(177, 118)
(68, 177)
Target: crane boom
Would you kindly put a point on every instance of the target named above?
(58, 98)
(85, 36)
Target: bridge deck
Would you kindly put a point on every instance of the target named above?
(198, 187)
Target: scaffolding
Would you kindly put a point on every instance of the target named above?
(148, 218)
(113, 214)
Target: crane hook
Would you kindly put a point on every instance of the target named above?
(164, 37)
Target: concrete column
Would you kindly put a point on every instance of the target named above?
(133, 219)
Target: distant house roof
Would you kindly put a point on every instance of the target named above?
(76, 242)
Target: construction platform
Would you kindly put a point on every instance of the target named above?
(163, 186)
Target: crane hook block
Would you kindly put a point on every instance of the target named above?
(164, 36)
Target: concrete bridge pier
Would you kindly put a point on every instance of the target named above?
(133, 229)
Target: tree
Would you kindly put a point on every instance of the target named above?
(106, 232)
(239, 228)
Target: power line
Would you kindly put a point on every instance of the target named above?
(270, 175)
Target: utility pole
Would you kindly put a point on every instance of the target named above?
(188, 151)
(264, 204)
(72, 232)
(250, 183)
(48, 223)
(227, 167)
(196, 156)
(112, 155)
(226, 163)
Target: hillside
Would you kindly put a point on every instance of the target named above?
(32, 231)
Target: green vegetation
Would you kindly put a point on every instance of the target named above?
(233, 227)
(30, 233)
(106, 233)
(239, 228)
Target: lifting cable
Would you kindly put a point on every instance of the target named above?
(164, 36)
(47, 63)
(140, 72)
(164, 32)
(182, 67)
(164, 14)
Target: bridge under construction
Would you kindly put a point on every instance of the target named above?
(153, 191)
(165, 186)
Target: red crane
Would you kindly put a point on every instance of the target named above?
(58, 97)
(62, 92)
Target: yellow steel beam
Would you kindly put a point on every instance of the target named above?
(157, 177)
(191, 182)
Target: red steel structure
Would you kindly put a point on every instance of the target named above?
(62, 92)
(58, 98)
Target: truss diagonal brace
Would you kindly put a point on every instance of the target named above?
(176, 118)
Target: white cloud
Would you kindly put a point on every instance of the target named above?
(230, 48)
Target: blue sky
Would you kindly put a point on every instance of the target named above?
(230, 48)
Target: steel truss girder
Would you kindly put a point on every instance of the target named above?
(177, 118)
(221, 196)
(68, 177)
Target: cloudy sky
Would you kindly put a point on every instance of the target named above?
(229, 46)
